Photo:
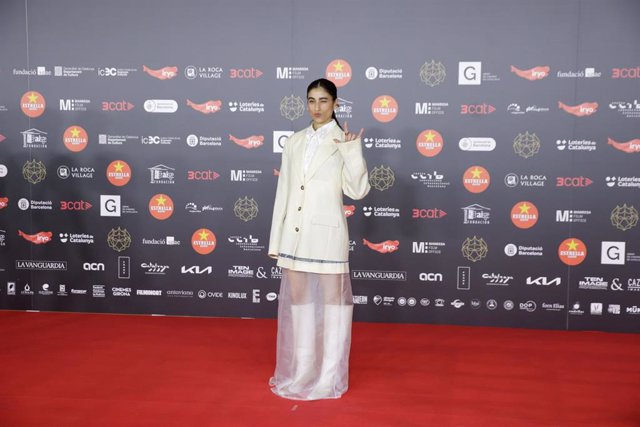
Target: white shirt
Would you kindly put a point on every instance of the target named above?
(314, 137)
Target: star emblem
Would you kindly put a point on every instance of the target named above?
(524, 208)
(384, 102)
(33, 98)
(161, 200)
(118, 167)
(476, 173)
(573, 245)
(203, 235)
(339, 66)
(429, 137)
(75, 132)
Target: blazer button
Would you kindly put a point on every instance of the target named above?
(299, 208)
(297, 229)
(302, 187)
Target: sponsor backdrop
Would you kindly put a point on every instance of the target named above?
(140, 144)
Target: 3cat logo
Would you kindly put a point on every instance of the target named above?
(33, 104)
(161, 206)
(118, 173)
(535, 73)
(75, 205)
(476, 179)
(384, 108)
(385, 247)
(40, 238)
(572, 251)
(349, 210)
(429, 143)
(524, 215)
(339, 72)
(581, 110)
(208, 107)
(75, 139)
(625, 73)
(573, 181)
(4, 202)
(117, 106)
(203, 241)
(632, 146)
(164, 73)
(244, 73)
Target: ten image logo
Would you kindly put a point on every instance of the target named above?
(161, 206)
(339, 72)
(203, 241)
(476, 179)
(429, 143)
(384, 108)
(75, 139)
(524, 215)
(118, 173)
(33, 104)
(572, 251)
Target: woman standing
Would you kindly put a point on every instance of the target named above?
(309, 237)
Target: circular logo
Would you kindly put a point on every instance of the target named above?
(384, 108)
(474, 248)
(75, 139)
(192, 140)
(624, 217)
(524, 215)
(245, 208)
(119, 239)
(118, 173)
(32, 104)
(3, 171)
(382, 178)
(339, 72)
(34, 171)
(202, 294)
(402, 301)
(432, 73)
(572, 251)
(23, 204)
(292, 107)
(371, 73)
(476, 179)
(511, 250)
(190, 72)
(429, 143)
(492, 304)
(203, 241)
(411, 302)
(508, 305)
(526, 145)
(64, 172)
(161, 206)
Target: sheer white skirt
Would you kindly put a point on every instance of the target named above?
(314, 336)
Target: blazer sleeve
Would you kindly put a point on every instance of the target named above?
(355, 177)
(280, 204)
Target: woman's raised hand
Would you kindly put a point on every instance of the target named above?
(349, 136)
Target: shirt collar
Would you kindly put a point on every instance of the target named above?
(322, 131)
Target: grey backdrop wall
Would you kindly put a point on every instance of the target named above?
(502, 141)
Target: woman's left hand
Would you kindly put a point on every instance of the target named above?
(349, 136)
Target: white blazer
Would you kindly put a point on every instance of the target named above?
(309, 229)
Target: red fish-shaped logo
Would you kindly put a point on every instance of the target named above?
(208, 107)
(584, 109)
(632, 146)
(276, 172)
(349, 210)
(4, 202)
(535, 73)
(385, 247)
(39, 238)
(2, 137)
(164, 73)
(253, 141)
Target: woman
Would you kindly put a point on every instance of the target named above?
(309, 238)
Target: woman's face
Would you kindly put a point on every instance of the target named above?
(320, 106)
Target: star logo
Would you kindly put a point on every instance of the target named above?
(75, 132)
(338, 66)
(384, 102)
(161, 201)
(572, 245)
(33, 98)
(476, 173)
(429, 137)
(524, 208)
(118, 167)
(203, 235)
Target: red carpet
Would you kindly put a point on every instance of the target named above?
(59, 369)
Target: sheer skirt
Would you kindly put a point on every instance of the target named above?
(314, 336)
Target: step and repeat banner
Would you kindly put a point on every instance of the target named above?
(140, 144)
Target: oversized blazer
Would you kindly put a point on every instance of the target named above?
(309, 228)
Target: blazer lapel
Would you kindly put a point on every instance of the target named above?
(297, 158)
(326, 148)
